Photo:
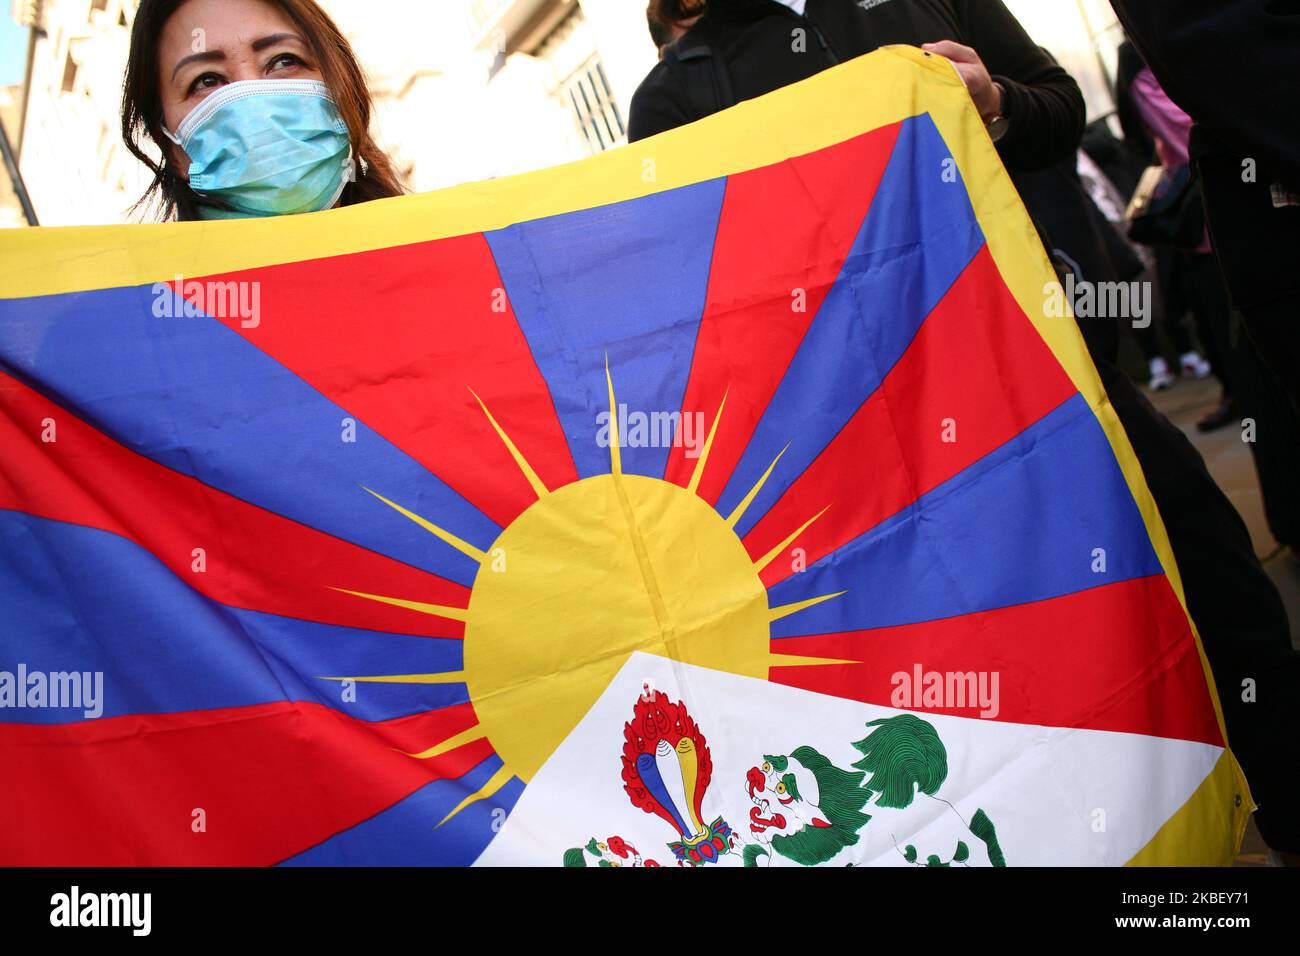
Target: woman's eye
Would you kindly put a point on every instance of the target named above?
(207, 81)
(283, 61)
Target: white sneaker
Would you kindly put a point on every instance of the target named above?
(1161, 377)
(1194, 365)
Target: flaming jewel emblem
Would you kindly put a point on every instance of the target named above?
(666, 770)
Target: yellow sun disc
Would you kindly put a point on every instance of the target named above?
(587, 575)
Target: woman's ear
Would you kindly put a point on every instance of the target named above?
(177, 159)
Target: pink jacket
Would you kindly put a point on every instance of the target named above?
(1168, 125)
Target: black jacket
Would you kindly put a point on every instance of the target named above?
(753, 40)
(1232, 66)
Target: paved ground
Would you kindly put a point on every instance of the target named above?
(1229, 460)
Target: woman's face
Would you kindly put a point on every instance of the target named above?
(209, 43)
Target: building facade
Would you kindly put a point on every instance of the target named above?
(70, 146)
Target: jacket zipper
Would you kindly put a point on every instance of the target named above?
(813, 24)
(821, 38)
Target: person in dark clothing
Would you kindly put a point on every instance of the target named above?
(1196, 274)
(740, 49)
(1040, 102)
(1246, 146)
(1273, 421)
(664, 32)
(1185, 42)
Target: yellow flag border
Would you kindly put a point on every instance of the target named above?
(864, 94)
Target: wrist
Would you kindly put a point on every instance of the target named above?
(997, 123)
(993, 110)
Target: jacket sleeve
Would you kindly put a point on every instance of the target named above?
(1231, 66)
(1168, 124)
(657, 105)
(1045, 111)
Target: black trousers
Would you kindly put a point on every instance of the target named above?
(1237, 609)
(1174, 306)
(1260, 394)
(1275, 329)
(1257, 242)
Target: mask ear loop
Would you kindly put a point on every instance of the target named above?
(168, 134)
(350, 167)
(354, 161)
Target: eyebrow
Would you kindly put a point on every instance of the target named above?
(274, 38)
(214, 56)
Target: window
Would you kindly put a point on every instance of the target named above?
(588, 94)
(580, 83)
(69, 74)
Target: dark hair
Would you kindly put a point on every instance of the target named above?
(142, 113)
(659, 32)
(665, 12)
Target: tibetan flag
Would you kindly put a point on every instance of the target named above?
(728, 499)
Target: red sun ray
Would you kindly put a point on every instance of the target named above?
(783, 227)
(1070, 661)
(255, 559)
(440, 325)
(977, 334)
(261, 775)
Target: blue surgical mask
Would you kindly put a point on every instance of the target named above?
(266, 148)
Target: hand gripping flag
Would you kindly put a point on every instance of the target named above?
(725, 499)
